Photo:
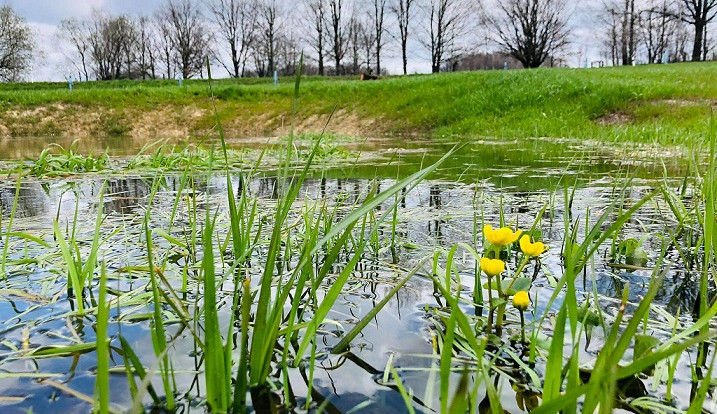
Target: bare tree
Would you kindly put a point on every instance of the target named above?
(612, 39)
(111, 47)
(402, 10)
(316, 36)
(164, 44)
(446, 24)
(268, 37)
(530, 30)
(353, 34)
(187, 34)
(367, 40)
(361, 37)
(629, 40)
(337, 34)
(16, 45)
(75, 32)
(147, 49)
(656, 28)
(111, 41)
(236, 21)
(699, 14)
(287, 53)
(379, 15)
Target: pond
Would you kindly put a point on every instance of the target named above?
(551, 189)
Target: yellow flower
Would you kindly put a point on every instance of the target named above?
(492, 267)
(500, 237)
(531, 249)
(521, 300)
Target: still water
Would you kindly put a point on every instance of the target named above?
(483, 181)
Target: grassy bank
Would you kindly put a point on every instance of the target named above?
(669, 104)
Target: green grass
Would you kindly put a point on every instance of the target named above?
(665, 103)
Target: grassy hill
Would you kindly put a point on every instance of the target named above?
(665, 103)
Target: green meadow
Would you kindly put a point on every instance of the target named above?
(669, 104)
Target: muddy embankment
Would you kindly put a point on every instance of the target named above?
(172, 121)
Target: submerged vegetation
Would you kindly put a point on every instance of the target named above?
(238, 281)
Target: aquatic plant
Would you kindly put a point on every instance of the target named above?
(56, 160)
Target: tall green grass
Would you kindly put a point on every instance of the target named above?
(260, 340)
(8, 232)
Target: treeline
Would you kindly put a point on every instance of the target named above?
(650, 30)
(344, 37)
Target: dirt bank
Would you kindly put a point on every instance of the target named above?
(171, 121)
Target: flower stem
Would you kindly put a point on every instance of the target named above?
(490, 307)
(499, 320)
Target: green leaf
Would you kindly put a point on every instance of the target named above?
(627, 246)
(588, 317)
(638, 257)
(51, 350)
(495, 302)
(644, 344)
(521, 283)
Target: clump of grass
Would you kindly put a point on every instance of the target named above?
(330, 146)
(13, 210)
(115, 125)
(56, 161)
(81, 271)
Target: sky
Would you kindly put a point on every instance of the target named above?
(52, 64)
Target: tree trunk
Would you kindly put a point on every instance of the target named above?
(235, 59)
(405, 58)
(704, 45)
(378, 60)
(697, 48)
(321, 58)
(337, 62)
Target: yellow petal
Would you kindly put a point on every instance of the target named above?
(500, 237)
(521, 300)
(525, 244)
(492, 267)
(488, 231)
(531, 249)
(515, 236)
(503, 235)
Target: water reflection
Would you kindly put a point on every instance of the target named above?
(33, 200)
(523, 165)
(125, 195)
(436, 214)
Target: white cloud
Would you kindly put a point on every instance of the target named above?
(48, 54)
